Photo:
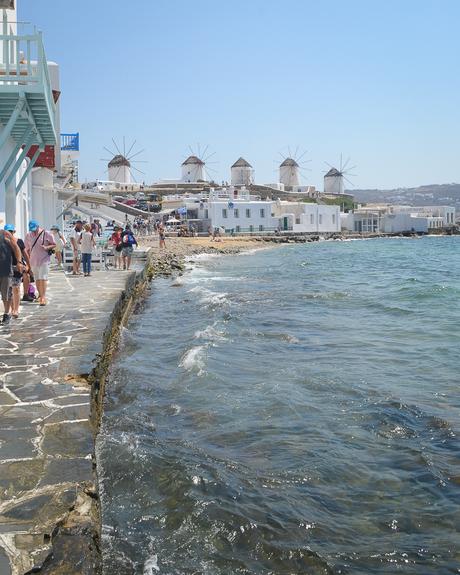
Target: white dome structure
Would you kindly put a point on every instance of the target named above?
(193, 169)
(289, 173)
(120, 170)
(333, 182)
(242, 173)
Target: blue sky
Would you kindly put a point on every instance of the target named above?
(376, 80)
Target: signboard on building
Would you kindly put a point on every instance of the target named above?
(7, 4)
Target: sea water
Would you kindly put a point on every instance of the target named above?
(294, 410)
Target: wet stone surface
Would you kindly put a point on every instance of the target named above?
(46, 439)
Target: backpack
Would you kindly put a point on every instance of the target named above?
(128, 239)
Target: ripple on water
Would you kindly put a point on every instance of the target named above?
(302, 419)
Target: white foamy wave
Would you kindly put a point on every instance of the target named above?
(210, 333)
(194, 359)
(209, 296)
(202, 257)
(178, 282)
(151, 565)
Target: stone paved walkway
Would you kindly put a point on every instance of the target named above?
(46, 440)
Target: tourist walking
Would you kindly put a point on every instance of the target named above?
(8, 249)
(87, 244)
(161, 236)
(75, 243)
(115, 240)
(128, 242)
(18, 274)
(60, 242)
(39, 245)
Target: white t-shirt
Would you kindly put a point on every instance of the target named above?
(86, 243)
(74, 235)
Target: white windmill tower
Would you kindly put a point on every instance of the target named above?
(119, 169)
(289, 173)
(242, 173)
(290, 168)
(334, 178)
(120, 166)
(195, 168)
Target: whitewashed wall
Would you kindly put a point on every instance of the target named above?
(402, 222)
(237, 215)
(120, 174)
(308, 218)
(241, 176)
(333, 185)
(192, 173)
(289, 175)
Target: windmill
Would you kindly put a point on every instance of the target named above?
(242, 173)
(334, 178)
(291, 167)
(120, 166)
(196, 168)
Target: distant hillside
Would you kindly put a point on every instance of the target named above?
(435, 194)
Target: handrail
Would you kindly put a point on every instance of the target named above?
(23, 71)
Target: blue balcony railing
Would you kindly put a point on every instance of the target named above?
(70, 142)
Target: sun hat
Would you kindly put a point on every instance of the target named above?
(9, 228)
(33, 225)
(55, 227)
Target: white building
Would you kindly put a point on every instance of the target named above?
(289, 173)
(398, 219)
(242, 173)
(241, 215)
(447, 213)
(333, 182)
(303, 217)
(193, 170)
(30, 125)
(119, 169)
(237, 210)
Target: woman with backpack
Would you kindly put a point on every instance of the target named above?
(128, 241)
(39, 247)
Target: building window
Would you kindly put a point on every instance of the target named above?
(236, 213)
(238, 229)
(206, 214)
(297, 219)
(261, 228)
(312, 219)
(333, 218)
(262, 212)
(251, 228)
(320, 218)
(248, 213)
(224, 213)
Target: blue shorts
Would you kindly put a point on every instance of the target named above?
(127, 251)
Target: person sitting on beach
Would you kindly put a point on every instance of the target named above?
(39, 245)
(87, 244)
(128, 242)
(8, 250)
(75, 243)
(60, 243)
